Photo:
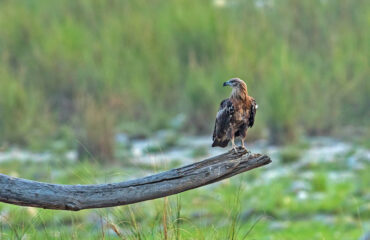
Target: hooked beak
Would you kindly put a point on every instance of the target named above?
(227, 84)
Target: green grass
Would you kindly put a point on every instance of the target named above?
(79, 71)
(249, 206)
(138, 64)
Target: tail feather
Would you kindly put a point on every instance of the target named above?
(219, 143)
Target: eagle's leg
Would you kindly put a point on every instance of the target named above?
(243, 146)
(243, 137)
(231, 135)
(233, 143)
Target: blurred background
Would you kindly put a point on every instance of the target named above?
(101, 91)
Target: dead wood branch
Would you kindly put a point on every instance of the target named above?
(77, 197)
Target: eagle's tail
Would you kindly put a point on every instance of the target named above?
(220, 143)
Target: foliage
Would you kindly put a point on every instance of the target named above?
(322, 201)
(144, 62)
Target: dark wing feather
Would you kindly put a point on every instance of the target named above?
(252, 112)
(222, 124)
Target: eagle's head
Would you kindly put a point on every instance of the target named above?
(235, 83)
(239, 87)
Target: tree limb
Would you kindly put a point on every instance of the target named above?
(77, 197)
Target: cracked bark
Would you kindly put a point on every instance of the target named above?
(77, 197)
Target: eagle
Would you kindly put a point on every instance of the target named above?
(235, 115)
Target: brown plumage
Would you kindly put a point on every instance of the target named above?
(235, 115)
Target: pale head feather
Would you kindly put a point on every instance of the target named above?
(239, 88)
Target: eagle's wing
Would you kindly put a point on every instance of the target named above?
(222, 124)
(252, 112)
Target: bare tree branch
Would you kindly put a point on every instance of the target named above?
(77, 197)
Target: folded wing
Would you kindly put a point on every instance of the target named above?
(252, 112)
(222, 124)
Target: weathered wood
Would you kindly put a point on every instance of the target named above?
(77, 197)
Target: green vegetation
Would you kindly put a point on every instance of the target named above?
(274, 202)
(74, 73)
(98, 66)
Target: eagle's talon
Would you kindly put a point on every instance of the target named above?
(246, 149)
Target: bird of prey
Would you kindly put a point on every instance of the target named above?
(235, 115)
